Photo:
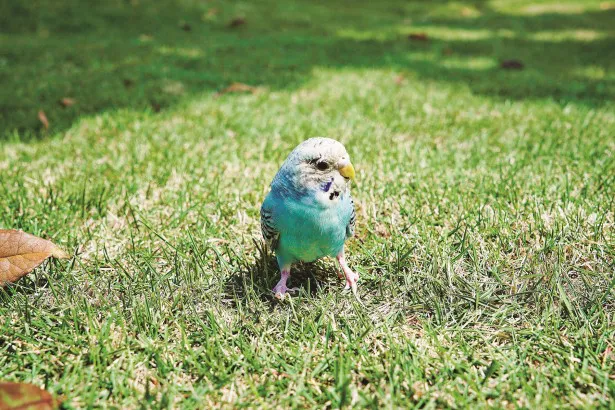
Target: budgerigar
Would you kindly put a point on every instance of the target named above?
(309, 213)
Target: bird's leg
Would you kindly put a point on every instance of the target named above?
(280, 289)
(351, 277)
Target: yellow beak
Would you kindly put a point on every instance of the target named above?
(347, 171)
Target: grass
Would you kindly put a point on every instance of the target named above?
(485, 238)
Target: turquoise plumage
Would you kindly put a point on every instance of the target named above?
(309, 212)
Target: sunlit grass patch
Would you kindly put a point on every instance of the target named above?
(567, 35)
(558, 7)
(484, 195)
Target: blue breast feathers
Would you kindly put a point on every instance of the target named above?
(309, 232)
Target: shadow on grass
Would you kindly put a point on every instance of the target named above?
(259, 279)
(149, 55)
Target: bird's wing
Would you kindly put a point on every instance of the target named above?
(352, 221)
(270, 233)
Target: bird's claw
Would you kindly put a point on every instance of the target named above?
(281, 291)
(353, 287)
(351, 281)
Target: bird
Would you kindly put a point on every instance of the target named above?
(309, 213)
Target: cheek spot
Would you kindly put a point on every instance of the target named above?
(333, 195)
(327, 186)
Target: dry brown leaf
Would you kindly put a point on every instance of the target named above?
(382, 231)
(512, 65)
(399, 80)
(43, 119)
(67, 102)
(236, 22)
(156, 106)
(239, 88)
(25, 396)
(418, 37)
(21, 252)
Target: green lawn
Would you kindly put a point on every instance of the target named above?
(485, 202)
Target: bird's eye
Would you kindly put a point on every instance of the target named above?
(322, 165)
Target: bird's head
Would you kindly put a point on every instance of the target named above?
(320, 166)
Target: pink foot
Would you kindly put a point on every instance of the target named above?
(351, 280)
(281, 290)
(351, 277)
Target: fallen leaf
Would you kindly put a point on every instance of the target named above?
(43, 119)
(399, 79)
(21, 252)
(607, 5)
(25, 396)
(211, 12)
(238, 88)
(67, 102)
(512, 65)
(382, 231)
(156, 106)
(418, 37)
(236, 22)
